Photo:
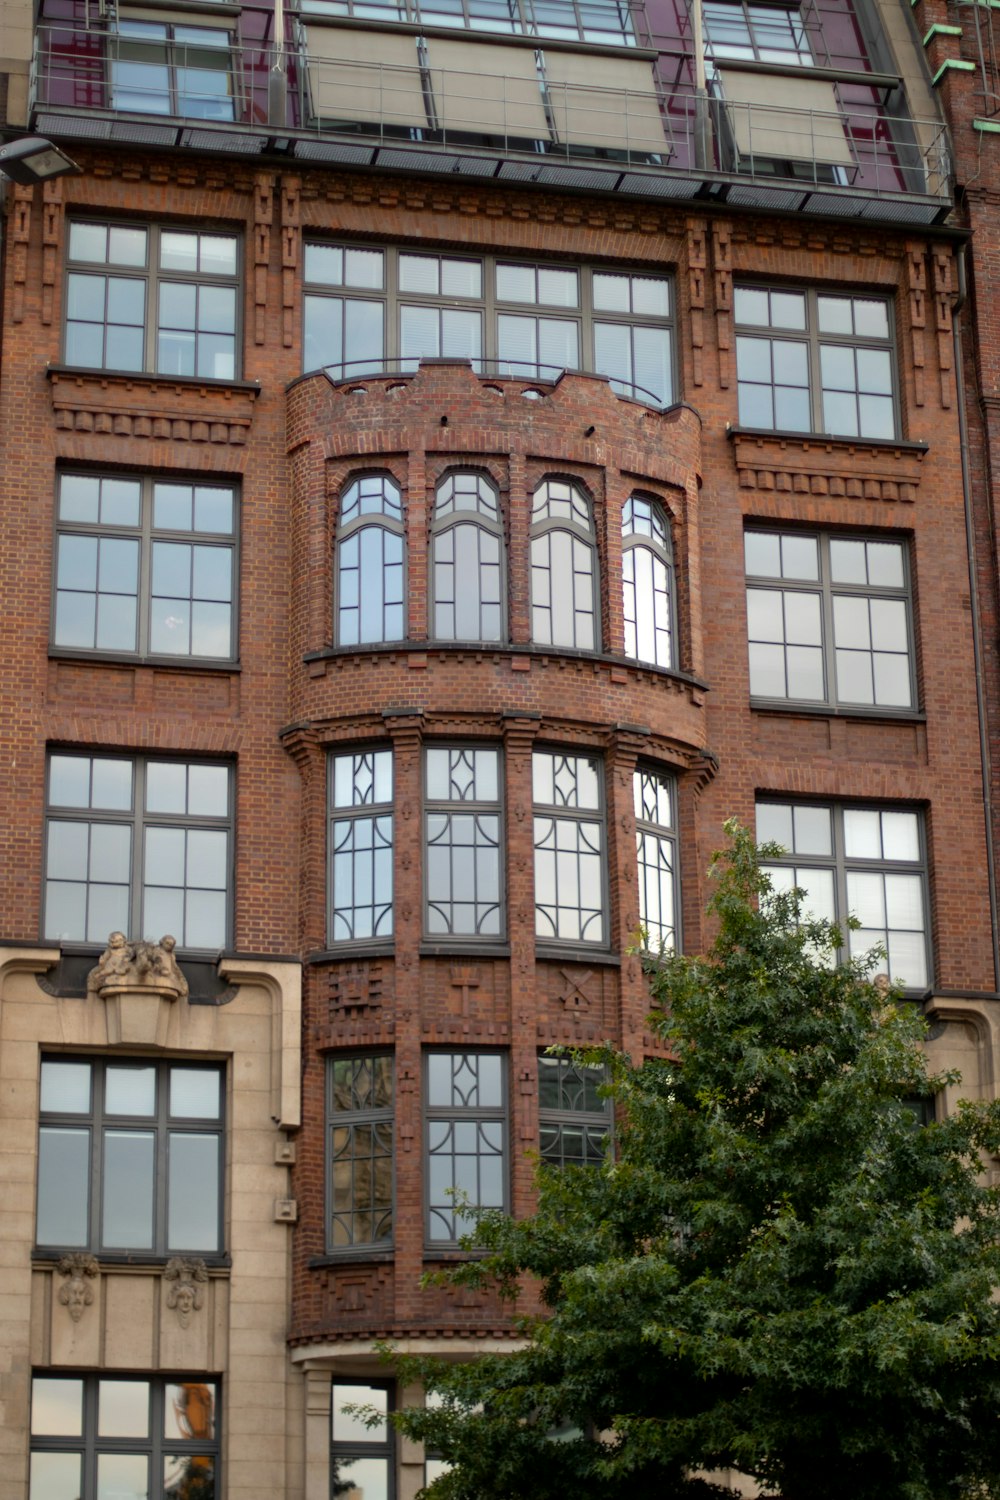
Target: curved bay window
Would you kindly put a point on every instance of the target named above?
(467, 560)
(647, 582)
(563, 568)
(370, 569)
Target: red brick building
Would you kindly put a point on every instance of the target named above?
(453, 463)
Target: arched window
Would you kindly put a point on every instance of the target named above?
(370, 572)
(647, 582)
(467, 561)
(563, 568)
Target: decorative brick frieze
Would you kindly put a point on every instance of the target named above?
(148, 406)
(847, 468)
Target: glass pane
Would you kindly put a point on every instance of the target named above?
(361, 1478)
(123, 1409)
(189, 1477)
(351, 1429)
(56, 1476)
(65, 1087)
(122, 1476)
(901, 836)
(166, 787)
(130, 1091)
(189, 1410)
(862, 834)
(208, 791)
(63, 1186)
(193, 1192)
(128, 1190)
(194, 1093)
(56, 1407)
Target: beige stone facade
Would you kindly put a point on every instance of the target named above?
(225, 1321)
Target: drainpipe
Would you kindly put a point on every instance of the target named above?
(704, 156)
(977, 647)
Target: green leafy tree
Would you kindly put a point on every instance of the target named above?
(779, 1271)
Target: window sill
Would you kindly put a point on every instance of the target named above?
(855, 711)
(826, 439)
(349, 951)
(471, 949)
(138, 1260)
(577, 953)
(152, 378)
(121, 659)
(351, 1258)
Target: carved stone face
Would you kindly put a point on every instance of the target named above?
(185, 1298)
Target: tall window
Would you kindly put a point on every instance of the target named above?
(359, 1151)
(145, 567)
(361, 1453)
(563, 568)
(810, 361)
(569, 848)
(360, 846)
(371, 309)
(140, 846)
(467, 560)
(656, 854)
(98, 1436)
(463, 874)
(166, 68)
(130, 1156)
(148, 297)
(828, 620)
(466, 1139)
(866, 862)
(574, 1121)
(370, 604)
(647, 582)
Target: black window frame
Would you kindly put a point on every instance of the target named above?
(146, 536)
(350, 1120)
(352, 814)
(464, 1114)
(841, 866)
(176, 61)
(665, 936)
(813, 338)
(153, 277)
(97, 1121)
(828, 590)
(541, 563)
(140, 822)
(156, 1445)
(661, 551)
(584, 314)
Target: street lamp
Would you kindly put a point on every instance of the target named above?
(34, 160)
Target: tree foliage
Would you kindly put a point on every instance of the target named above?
(777, 1271)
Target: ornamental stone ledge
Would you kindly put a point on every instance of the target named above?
(845, 468)
(148, 406)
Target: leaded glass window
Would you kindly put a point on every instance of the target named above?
(466, 1099)
(464, 864)
(570, 900)
(656, 855)
(467, 574)
(359, 1151)
(563, 568)
(647, 582)
(370, 597)
(865, 862)
(360, 846)
(574, 1120)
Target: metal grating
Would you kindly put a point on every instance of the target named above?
(832, 205)
(360, 156)
(240, 144)
(902, 211)
(138, 134)
(660, 185)
(780, 200)
(73, 125)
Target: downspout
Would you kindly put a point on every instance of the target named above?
(977, 648)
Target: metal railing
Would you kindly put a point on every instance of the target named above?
(526, 373)
(523, 115)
